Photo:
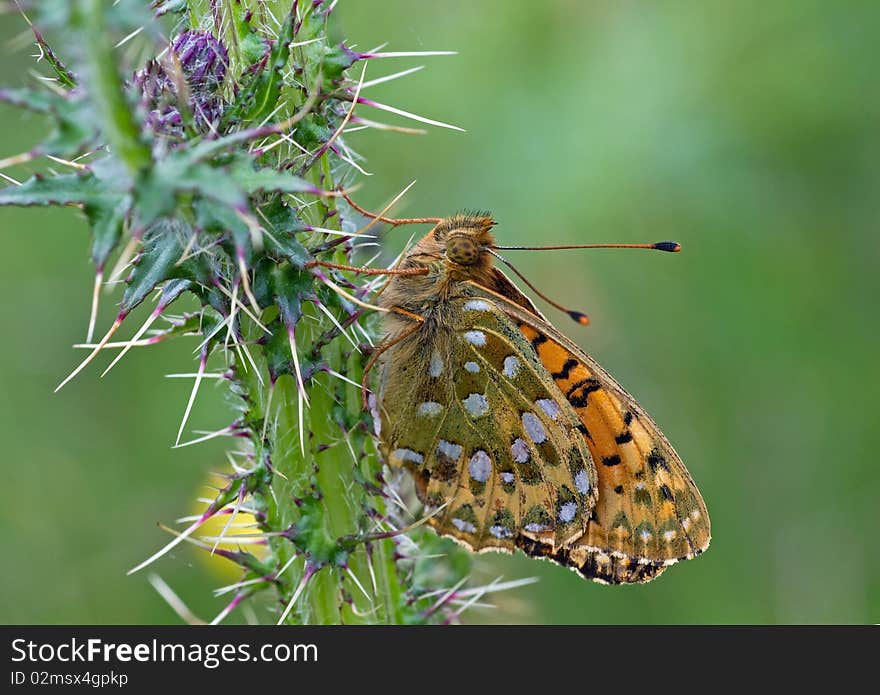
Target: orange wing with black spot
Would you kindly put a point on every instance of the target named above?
(649, 512)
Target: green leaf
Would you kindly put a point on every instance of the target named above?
(290, 287)
(218, 218)
(253, 180)
(281, 217)
(163, 248)
(276, 348)
(335, 60)
(281, 224)
(159, 189)
(65, 78)
(106, 221)
(62, 189)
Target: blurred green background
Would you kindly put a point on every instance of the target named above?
(746, 130)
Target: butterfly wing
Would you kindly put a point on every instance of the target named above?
(470, 410)
(649, 513)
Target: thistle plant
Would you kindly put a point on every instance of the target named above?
(205, 143)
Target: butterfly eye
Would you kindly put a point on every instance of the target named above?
(462, 249)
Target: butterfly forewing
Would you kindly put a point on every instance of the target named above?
(486, 432)
(649, 514)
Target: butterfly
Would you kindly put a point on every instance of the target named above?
(514, 436)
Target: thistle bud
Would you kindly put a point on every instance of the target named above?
(203, 59)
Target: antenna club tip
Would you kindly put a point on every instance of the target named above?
(580, 318)
(671, 246)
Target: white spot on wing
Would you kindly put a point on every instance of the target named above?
(511, 366)
(408, 455)
(519, 450)
(500, 532)
(472, 367)
(645, 535)
(448, 449)
(567, 512)
(508, 477)
(429, 409)
(480, 466)
(435, 367)
(669, 536)
(476, 405)
(582, 481)
(535, 527)
(534, 428)
(462, 525)
(549, 407)
(477, 305)
(477, 338)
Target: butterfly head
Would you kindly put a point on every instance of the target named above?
(465, 238)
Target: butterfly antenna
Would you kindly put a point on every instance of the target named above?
(671, 246)
(578, 316)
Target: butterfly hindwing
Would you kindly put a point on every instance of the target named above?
(486, 432)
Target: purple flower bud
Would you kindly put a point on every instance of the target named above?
(203, 59)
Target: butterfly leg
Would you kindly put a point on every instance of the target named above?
(393, 221)
(369, 271)
(380, 349)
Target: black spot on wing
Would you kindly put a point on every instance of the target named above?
(563, 373)
(585, 387)
(538, 340)
(657, 460)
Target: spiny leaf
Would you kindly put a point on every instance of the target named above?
(253, 180)
(63, 189)
(290, 287)
(163, 250)
(106, 219)
(288, 247)
(222, 219)
(65, 78)
(276, 349)
(335, 61)
(281, 217)
(158, 190)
